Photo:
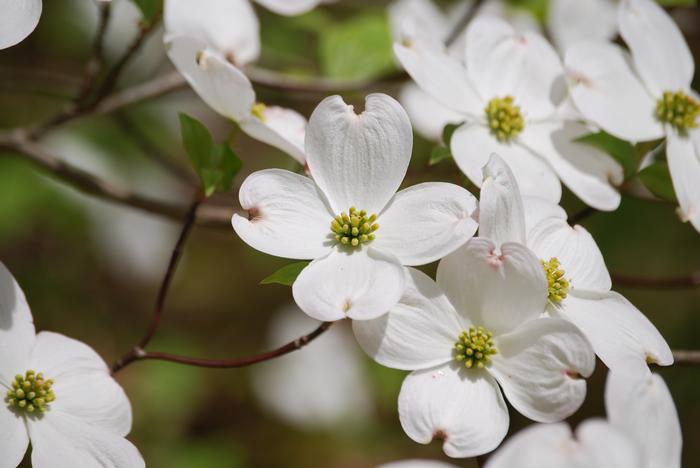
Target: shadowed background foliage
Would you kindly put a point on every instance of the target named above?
(91, 269)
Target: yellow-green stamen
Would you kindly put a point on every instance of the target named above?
(504, 118)
(258, 111)
(355, 228)
(475, 347)
(557, 285)
(678, 110)
(31, 393)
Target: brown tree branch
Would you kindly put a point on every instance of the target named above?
(684, 357)
(691, 280)
(95, 61)
(138, 354)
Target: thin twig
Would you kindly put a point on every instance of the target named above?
(684, 357)
(691, 280)
(463, 22)
(138, 354)
(170, 272)
(582, 215)
(149, 90)
(210, 216)
(96, 58)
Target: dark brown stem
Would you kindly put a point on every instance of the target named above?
(581, 215)
(684, 357)
(170, 272)
(95, 62)
(138, 354)
(463, 22)
(672, 282)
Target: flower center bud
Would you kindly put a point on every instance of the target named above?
(557, 285)
(504, 118)
(679, 110)
(355, 228)
(258, 111)
(30, 393)
(475, 347)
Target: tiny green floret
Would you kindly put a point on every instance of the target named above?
(557, 285)
(30, 392)
(475, 347)
(504, 118)
(355, 228)
(258, 111)
(678, 110)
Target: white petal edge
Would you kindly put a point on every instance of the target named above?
(359, 160)
(416, 464)
(538, 209)
(473, 144)
(660, 53)
(229, 27)
(222, 86)
(642, 407)
(282, 128)
(361, 285)
(417, 333)
(608, 93)
(501, 212)
(571, 21)
(18, 20)
(464, 409)
(585, 170)
(621, 335)
(498, 290)
(14, 438)
(425, 222)
(539, 365)
(683, 155)
(427, 115)
(288, 215)
(289, 7)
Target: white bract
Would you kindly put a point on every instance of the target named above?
(208, 42)
(642, 431)
(511, 95)
(349, 218)
(572, 21)
(479, 327)
(18, 18)
(57, 394)
(646, 96)
(417, 464)
(578, 280)
(297, 387)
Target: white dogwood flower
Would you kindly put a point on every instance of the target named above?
(417, 464)
(647, 97)
(572, 21)
(475, 330)
(349, 218)
(642, 431)
(578, 281)
(57, 394)
(511, 97)
(18, 20)
(227, 90)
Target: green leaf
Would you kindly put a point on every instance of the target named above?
(216, 165)
(149, 9)
(657, 178)
(669, 3)
(358, 48)
(286, 275)
(622, 151)
(447, 133)
(439, 154)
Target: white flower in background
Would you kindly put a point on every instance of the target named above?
(578, 280)
(642, 431)
(417, 464)
(479, 327)
(572, 21)
(298, 387)
(57, 394)
(349, 218)
(18, 20)
(511, 95)
(229, 92)
(409, 18)
(645, 97)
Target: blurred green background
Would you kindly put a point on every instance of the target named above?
(90, 270)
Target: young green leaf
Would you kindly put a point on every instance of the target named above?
(657, 178)
(286, 275)
(149, 9)
(439, 154)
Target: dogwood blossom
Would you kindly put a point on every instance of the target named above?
(229, 92)
(57, 394)
(417, 464)
(642, 431)
(349, 218)
(475, 330)
(511, 97)
(647, 97)
(572, 21)
(578, 280)
(18, 20)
